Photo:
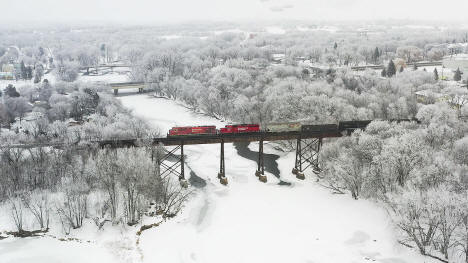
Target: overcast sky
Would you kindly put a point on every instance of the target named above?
(185, 10)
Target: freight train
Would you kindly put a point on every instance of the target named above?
(270, 127)
(342, 126)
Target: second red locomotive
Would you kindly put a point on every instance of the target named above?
(240, 128)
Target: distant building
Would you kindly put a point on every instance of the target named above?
(430, 97)
(7, 71)
(278, 58)
(8, 68)
(457, 61)
(457, 48)
(7, 75)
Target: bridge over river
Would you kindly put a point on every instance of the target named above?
(308, 145)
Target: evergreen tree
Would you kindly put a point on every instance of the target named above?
(29, 72)
(41, 51)
(335, 46)
(402, 69)
(457, 76)
(391, 69)
(384, 72)
(436, 74)
(10, 91)
(376, 55)
(23, 70)
(36, 79)
(415, 67)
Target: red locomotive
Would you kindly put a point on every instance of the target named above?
(211, 130)
(240, 128)
(192, 130)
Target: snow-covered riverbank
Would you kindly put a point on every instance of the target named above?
(253, 222)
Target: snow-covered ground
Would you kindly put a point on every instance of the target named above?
(50, 250)
(249, 221)
(246, 221)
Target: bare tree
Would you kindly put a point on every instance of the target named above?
(17, 213)
(107, 170)
(461, 235)
(173, 198)
(413, 212)
(38, 204)
(75, 206)
(449, 220)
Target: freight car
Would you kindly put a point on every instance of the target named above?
(192, 130)
(320, 128)
(282, 127)
(353, 125)
(240, 128)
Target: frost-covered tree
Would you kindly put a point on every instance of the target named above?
(409, 53)
(67, 71)
(38, 73)
(414, 213)
(17, 107)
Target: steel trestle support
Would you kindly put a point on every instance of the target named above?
(166, 170)
(307, 155)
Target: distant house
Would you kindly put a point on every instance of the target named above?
(457, 48)
(457, 61)
(7, 75)
(25, 123)
(8, 68)
(7, 72)
(430, 97)
(74, 123)
(300, 59)
(278, 58)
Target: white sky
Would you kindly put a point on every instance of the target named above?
(184, 10)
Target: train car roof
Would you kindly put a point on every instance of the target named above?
(251, 124)
(185, 127)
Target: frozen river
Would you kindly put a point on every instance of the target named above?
(249, 221)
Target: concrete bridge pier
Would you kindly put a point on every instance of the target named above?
(222, 170)
(260, 173)
(182, 180)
